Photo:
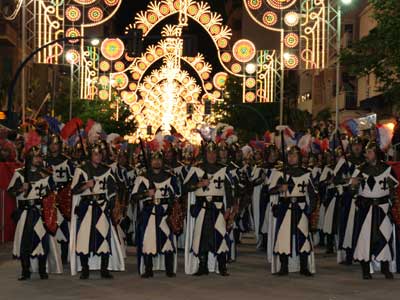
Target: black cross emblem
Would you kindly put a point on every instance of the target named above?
(102, 184)
(218, 183)
(164, 191)
(302, 187)
(61, 171)
(40, 189)
(384, 184)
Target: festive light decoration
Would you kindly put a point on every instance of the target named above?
(220, 80)
(95, 14)
(73, 56)
(73, 33)
(270, 18)
(291, 18)
(104, 66)
(292, 61)
(73, 13)
(281, 4)
(291, 40)
(120, 81)
(254, 4)
(119, 66)
(244, 50)
(112, 49)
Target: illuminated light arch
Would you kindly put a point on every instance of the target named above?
(154, 53)
(309, 16)
(153, 108)
(199, 12)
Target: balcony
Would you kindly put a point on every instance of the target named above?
(8, 35)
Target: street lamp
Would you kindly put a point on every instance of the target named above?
(95, 42)
(338, 51)
(70, 59)
(250, 68)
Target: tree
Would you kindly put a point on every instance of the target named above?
(249, 120)
(102, 111)
(379, 51)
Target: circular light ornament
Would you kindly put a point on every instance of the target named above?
(254, 4)
(226, 57)
(73, 33)
(103, 80)
(104, 66)
(250, 83)
(112, 49)
(291, 19)
(103, 95)
(95, 14)
(291, 61)
(120, 81)
(111, 2)
(250, 97)
(251, 68)
(72, 13)
(270, 18)
(244, 50)
(72, 56)
(119, 66)
(236, 68)
(291, 40)
(281, 4)
(220, 80)
(85, 2)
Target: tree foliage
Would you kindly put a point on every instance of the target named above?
(102, 111)
(379, 51)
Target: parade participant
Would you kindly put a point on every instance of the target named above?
(93, 238)
(183, 172)
(207, 240)
(33, 245)
(155, 193)
(344, 168)
(270, 166)
(62, 171)
(296, 202)
(329, 195)
(375, 183)
(257, 179)
(244, 221)
(119, 170)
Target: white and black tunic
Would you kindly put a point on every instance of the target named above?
(374, 230)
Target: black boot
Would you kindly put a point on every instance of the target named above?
(223, 271)
(365, 270)
(169, 264)
(386, 270)
(329, 244)
(284, 271)
(265, 242)
(64, 253)
(236, 235)
(203, 265)
(42, 268)
(104, 267)
(321, 238)
(304, 265)
(349, 257)
(148, 265)
(25, 265)
(85, 267)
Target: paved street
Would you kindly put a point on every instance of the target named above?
(249, 280)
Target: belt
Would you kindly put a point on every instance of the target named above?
(293, 200)
(94, 198)
(156, 201)
(375, 201)
(211, 198)
(31, 202)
